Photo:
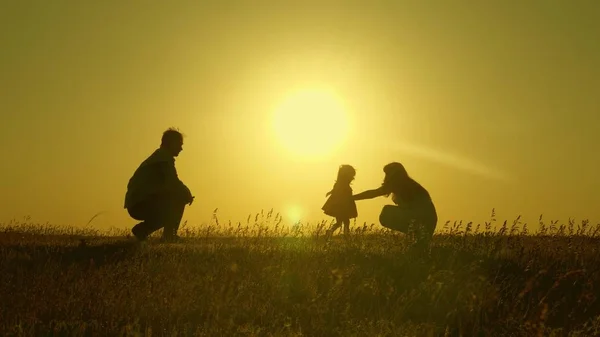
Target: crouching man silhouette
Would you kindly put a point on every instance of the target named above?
(155, 195)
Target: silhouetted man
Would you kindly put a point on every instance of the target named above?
(155, 195)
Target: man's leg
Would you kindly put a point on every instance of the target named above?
(158, 212)
(143, 229)
(149, 213)
(154, 214)
(173, 216)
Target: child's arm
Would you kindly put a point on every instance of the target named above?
(335, 187)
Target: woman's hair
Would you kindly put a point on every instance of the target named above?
(345, 174)
(399, 183)
(394, 174)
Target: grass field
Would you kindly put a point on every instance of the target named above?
(265, 279)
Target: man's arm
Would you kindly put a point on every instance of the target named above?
(172, 182)
(168, 173)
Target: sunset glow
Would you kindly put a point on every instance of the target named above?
(310, 123)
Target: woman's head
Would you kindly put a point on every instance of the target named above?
(400, 184)
(345, 174)
(394, 174)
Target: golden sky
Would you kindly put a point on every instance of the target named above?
(487, 104)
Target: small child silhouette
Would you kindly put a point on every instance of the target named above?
(340, 204)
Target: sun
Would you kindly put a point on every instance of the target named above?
(311, 123)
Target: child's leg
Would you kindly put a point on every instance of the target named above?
(346, 226)
(336, 225)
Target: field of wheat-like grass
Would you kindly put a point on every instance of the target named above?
(263, 278)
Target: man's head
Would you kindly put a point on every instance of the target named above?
(172, 141)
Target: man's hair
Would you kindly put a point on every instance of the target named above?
(171, 135)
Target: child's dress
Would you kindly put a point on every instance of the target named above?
(340, 203)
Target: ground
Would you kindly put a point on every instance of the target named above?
(263, 280)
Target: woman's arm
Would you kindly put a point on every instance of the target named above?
(370, 194)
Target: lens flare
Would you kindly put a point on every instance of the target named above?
(453, 160)
(293, 214)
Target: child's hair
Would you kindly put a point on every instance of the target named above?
(345, 174)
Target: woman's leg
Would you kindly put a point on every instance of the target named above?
(420, 221)
(395, 218)
(424, 230)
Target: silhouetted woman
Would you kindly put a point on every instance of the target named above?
(413, 204)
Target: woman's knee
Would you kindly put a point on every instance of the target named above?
(406, 219)
(394, 217)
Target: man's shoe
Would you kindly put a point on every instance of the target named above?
(171, 239)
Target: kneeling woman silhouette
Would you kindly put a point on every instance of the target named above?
(413, 204)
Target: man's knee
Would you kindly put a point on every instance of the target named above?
(170, 209)
(147, 208)
(157, 208)
(138, 212)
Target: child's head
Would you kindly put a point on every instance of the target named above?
(345, 174)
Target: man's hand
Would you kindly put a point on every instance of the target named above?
(188, 194)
